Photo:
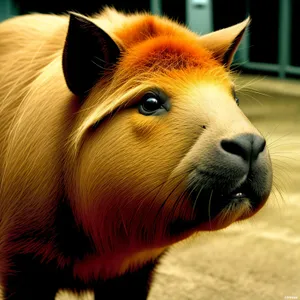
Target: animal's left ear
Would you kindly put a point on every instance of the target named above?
(88, 53)
(224, 43)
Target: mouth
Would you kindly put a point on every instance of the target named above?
(215, 208)
(211, 202)
(237, 196)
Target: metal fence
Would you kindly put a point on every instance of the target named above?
(199, 17)
(283, 67)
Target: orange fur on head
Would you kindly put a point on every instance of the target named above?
(124, 175)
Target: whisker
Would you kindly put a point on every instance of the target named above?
(277, 139)
(123, 222)
(225, 212)
(165, 201)
(168, 179)
(286, 157)
(277, 192)
(269, 134)
(196, 200)
(209, 207)
(178, 200)
(160, 186)
(252, 98)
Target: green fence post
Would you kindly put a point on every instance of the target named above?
(7, 9)
(155, 7)
(284, 40)
(199, 15)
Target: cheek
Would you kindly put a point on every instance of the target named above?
(144, 127)
(129, 158)
(117, 164)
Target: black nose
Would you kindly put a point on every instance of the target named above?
(247, 146)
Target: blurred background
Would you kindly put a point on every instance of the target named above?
(258, 259)
(271, 47)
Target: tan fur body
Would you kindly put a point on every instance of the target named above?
(108, 177)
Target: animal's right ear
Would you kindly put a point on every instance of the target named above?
(88, 53)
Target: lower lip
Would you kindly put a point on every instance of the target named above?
(237, 197)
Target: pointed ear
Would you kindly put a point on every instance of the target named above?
(88, 53)
(224, 43)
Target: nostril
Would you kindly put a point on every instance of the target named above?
(247, 146)
(261, 144)
(233, 147)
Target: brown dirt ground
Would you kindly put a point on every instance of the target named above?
(257, 259)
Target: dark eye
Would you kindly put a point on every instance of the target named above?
(153, 104)
(237, 100)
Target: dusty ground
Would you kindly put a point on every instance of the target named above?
(257, 259)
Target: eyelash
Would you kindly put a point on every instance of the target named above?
(236, 98)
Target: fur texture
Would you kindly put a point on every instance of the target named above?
(89, 184)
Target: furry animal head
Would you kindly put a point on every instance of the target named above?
(160, 148)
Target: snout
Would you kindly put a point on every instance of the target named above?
(235, 184)
(243, 149)
(239, 157)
